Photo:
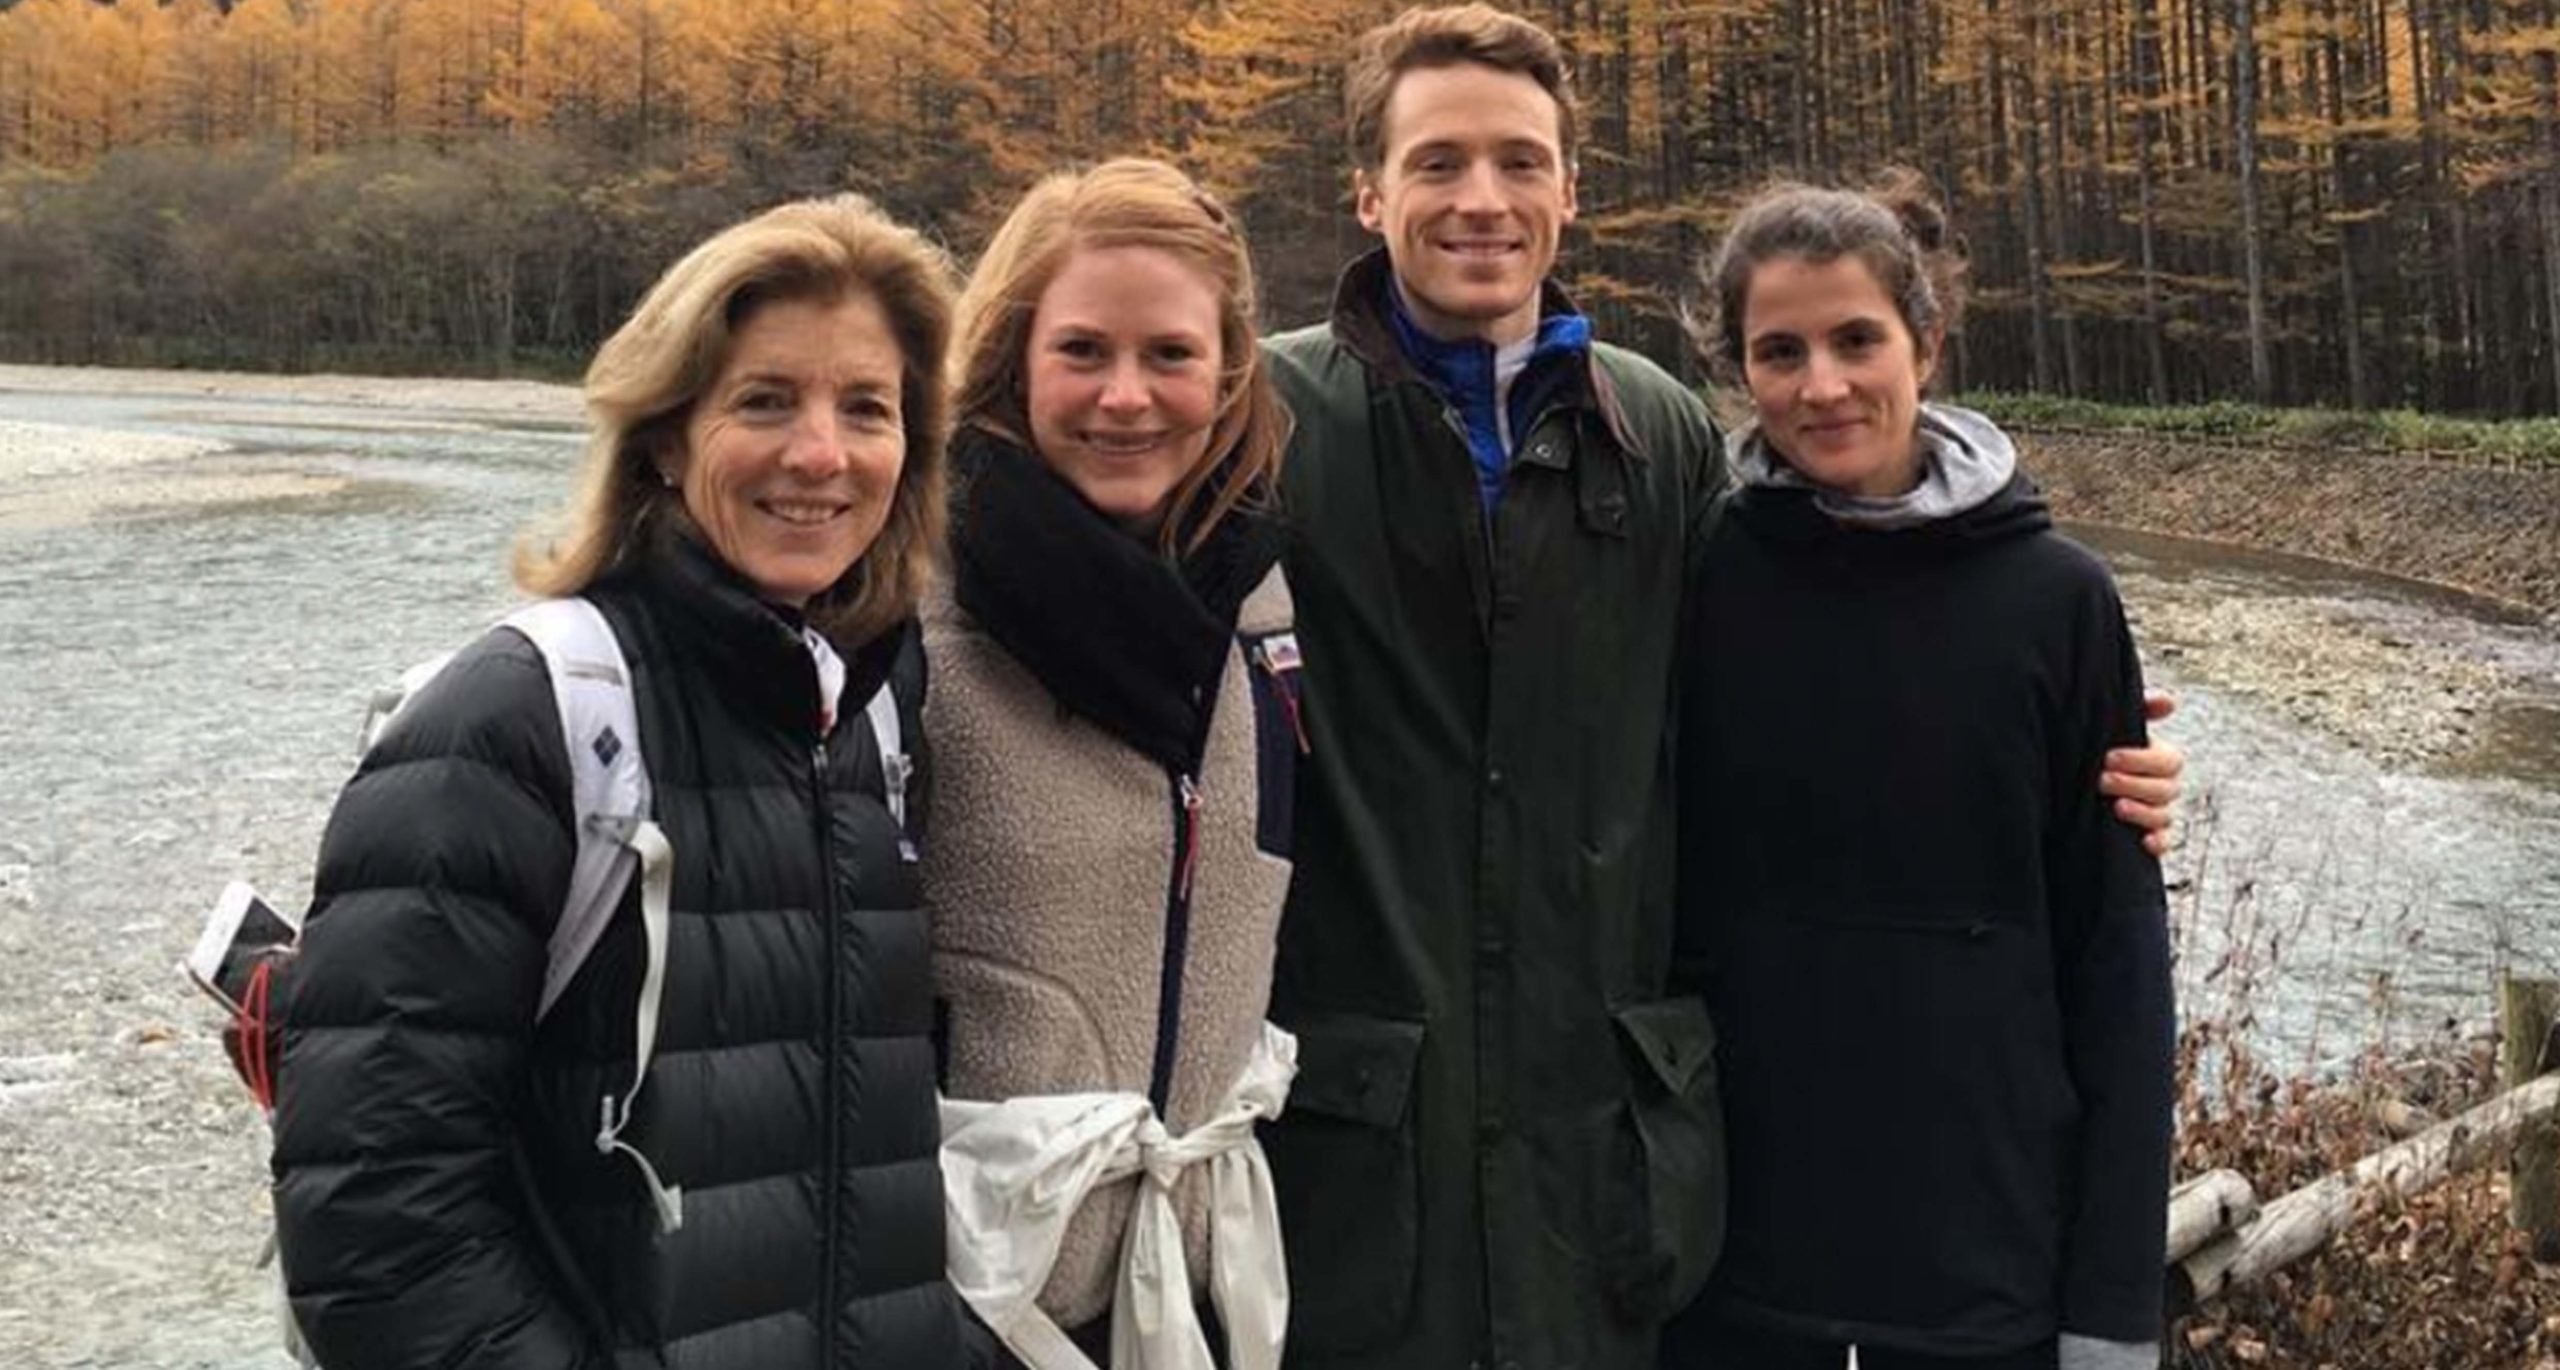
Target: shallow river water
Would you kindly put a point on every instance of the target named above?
(2328, 892)
(186, 646)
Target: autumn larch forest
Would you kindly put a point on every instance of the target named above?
(2338, 202)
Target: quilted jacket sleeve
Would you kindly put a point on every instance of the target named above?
(401, 1222)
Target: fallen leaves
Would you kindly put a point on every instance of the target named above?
(2438, 1279)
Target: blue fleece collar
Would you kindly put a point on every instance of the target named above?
(1463, 371)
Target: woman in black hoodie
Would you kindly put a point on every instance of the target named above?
(1947, 1026)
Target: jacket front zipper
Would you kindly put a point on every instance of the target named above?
(833, 980)
(1177, 937)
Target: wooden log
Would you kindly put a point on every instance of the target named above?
(2205, 1207)
(2527, 1010)
(2303, 1221)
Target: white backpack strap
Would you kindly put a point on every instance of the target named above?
(386, 704)
(895, 764)
(656, 867)
(608, 784)
(609, 793)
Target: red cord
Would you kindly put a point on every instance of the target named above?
(1297, 724)
(1288, 699)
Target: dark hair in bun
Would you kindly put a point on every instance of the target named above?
(1896, 227)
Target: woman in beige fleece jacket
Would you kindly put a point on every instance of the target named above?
(1113, 729)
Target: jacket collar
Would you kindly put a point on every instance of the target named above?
(713, 616)
(1363, 322)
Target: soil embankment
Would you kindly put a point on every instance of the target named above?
(2488, 531)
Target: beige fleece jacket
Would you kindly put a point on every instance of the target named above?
(1048, 857)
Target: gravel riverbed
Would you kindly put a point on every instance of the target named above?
(2370, 684)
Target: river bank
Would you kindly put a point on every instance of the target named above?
(2397, 687)
(2403, 697)
(49, 471)
(2473, 528)
(530, 401)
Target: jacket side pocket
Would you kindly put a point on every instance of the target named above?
(1342, 1161)
(1679, 1118)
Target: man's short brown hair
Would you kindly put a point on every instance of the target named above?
(1448, 36)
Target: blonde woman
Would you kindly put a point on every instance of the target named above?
(761, 500)
(1114, 725)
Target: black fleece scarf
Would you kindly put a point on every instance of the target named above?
(1120, 635)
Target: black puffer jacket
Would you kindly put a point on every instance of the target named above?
(440, 1198)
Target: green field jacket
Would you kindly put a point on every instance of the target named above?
(1502, 1148)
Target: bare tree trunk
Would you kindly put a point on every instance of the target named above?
(1800, 100)
(2350, 305)
(2244, 118)
(2042, 38)
(2202, 91)
(2146, 62)
(1904, 55)
(2443, 212)
(2029, 180)
(2550, 121)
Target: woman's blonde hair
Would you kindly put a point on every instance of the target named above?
(1126, 202)
(645, 380)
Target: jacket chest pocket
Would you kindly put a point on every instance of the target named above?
(1600, 492)
(1280, 736)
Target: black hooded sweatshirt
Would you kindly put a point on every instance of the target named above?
(1938, 965)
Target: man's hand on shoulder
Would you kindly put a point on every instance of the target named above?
(2143, 781)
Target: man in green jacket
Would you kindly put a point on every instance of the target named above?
(1502, 1150)
(1502, 1146)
